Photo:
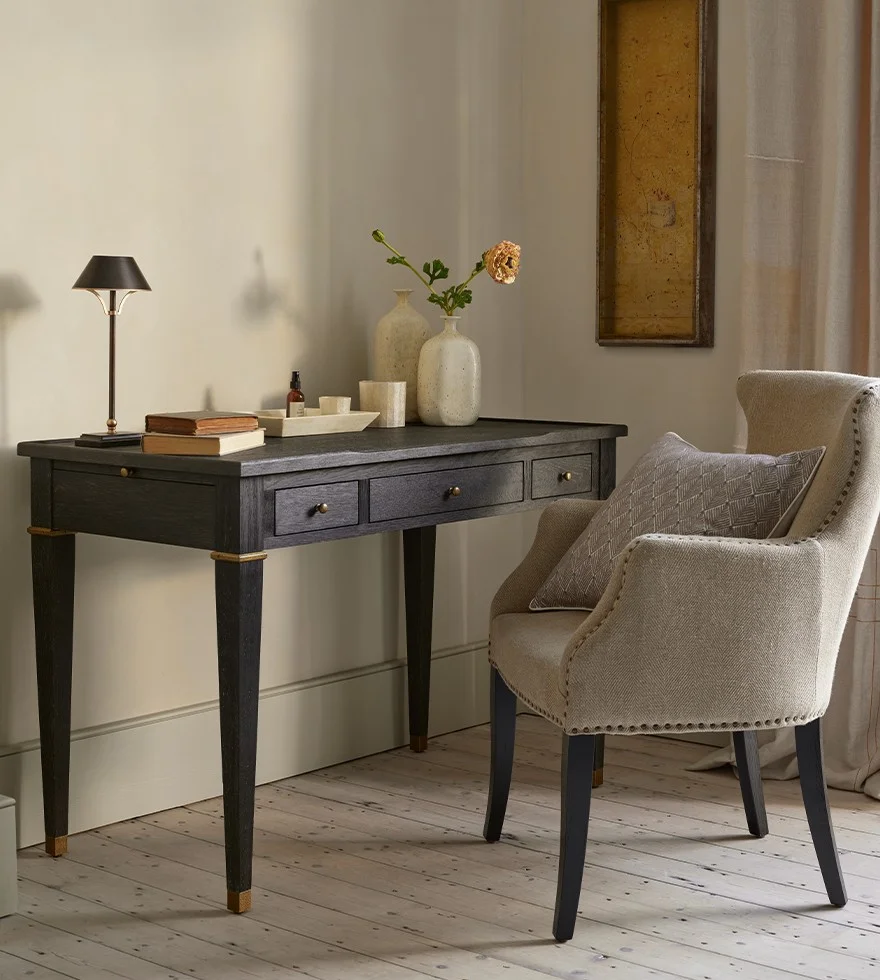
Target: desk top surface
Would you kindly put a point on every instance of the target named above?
(299, 453)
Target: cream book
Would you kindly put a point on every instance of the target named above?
(217, 445)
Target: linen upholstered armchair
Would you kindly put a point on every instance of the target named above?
(697, 633)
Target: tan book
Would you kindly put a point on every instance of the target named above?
(201, 423)
(167, 444)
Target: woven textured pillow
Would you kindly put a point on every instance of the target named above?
(677, 489)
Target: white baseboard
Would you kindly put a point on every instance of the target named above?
(170, 759)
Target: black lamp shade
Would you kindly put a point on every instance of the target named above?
(111, 272)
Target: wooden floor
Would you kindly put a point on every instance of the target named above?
(376, 869)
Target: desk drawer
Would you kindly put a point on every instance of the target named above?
(137, 507)
(394, 497)
(303, 508)
(562, 475)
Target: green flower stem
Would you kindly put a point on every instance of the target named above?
(472, 276)
(450, 299)
(391, 248)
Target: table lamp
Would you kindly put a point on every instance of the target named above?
(113, 273)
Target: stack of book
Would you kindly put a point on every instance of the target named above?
(201, 433)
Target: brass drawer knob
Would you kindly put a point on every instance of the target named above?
(322, 508)
(126, 471)
(455, 491)
(566, 476)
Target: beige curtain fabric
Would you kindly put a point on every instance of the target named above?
(811, 282)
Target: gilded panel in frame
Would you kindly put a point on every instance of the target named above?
(657, 123)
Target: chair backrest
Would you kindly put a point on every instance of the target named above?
(788, 410)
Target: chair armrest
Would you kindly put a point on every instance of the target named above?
(560, 526)
(701, 633)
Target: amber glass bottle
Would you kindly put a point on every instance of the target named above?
(296, 400)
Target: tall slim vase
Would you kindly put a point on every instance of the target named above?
(396, 346)
(449, 378)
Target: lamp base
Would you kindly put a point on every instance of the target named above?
(108, 440)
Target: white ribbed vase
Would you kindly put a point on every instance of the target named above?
(449, 378)
(396, 345)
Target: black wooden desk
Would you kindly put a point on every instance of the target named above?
(288, 492)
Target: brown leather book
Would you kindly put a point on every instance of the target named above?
(201, 423)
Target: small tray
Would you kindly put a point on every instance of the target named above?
(313, 423)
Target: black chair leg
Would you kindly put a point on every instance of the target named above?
(808, 739)
(578, 752)
(502, 708)
(599, 762)
(745, 746)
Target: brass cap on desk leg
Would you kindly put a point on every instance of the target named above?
(56, 847)
(418, 743)
(239, 902)
(598, 777)
(239, 559)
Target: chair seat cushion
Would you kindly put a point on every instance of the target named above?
(677, 489)
(528, 649)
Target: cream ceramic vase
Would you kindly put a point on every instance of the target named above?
(396, 345)
(449, 378)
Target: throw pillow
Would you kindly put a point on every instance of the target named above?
(677, 489)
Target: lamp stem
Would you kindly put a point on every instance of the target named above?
(111, 414)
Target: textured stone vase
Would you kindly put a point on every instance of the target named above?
(396, 345)
(449, 378)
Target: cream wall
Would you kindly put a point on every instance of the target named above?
(242, 151)
(689, 391)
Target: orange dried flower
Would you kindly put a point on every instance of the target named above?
(502, 262)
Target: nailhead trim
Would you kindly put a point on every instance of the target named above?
(692, 726)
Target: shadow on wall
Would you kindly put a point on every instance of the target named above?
(16, 299)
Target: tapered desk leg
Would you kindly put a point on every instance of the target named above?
(239, 594)
(53, 558)
(418, 573)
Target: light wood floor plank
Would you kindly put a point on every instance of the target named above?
(725, 789)
(336, 934)
(536, 845)
(667, 757)
(636, 788)
(73, 956)
(396, 773)
(433, 877)
(136, 934)
(15, 968)
(342, 822)
(443, 911)
(253, 945)
(376, 870)
(326, 824)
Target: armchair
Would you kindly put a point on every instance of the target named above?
(699, 633)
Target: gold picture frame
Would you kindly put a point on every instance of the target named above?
(658, 67)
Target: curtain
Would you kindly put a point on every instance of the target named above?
(811, 284)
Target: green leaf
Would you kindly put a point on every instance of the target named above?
(426, 268)
(396, 260)
(434, 298)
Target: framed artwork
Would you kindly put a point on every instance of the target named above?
(656, 209)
